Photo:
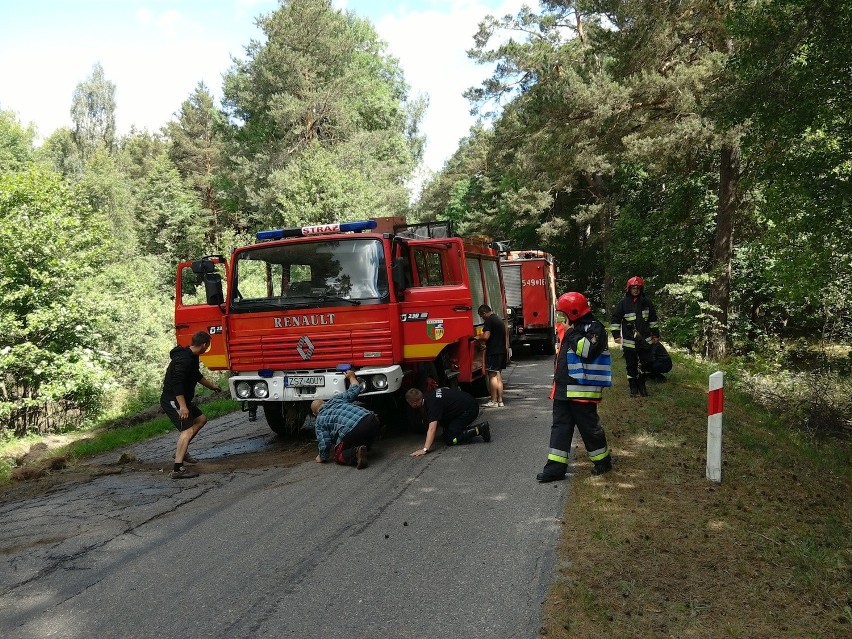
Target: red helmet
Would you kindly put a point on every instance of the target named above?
(574, 305)
(635, 281)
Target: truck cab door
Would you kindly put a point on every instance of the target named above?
(436, 309)
(200, 306)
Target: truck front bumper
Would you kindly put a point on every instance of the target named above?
(308, 385)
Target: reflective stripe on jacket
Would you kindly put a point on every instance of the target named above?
(596, 372)
(583, 365)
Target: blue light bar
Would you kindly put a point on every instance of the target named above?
(318, 229)
(265, 236)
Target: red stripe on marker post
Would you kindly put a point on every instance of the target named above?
(715, 401)
(715, 404)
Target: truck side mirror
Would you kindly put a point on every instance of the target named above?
(213, 289)
(399, 279)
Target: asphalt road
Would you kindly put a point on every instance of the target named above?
(457, 544)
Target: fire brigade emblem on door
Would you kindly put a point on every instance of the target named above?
(305, 347)
(435, 329)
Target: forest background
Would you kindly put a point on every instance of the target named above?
(704, 145)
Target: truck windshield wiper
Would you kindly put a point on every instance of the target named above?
(300, 302)
(259, 305)
(334, 298)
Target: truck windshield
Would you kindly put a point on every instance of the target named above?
(309, 273)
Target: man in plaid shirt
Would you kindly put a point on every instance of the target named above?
(344, 429)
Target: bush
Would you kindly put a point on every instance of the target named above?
(816, 403)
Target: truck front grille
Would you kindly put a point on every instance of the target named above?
(311, 349)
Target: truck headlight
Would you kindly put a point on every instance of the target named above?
(380, 382)
(261, 390)
(243, 390)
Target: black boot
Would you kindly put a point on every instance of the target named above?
(603, 466)
(465, 436)
(643, 390)
(553, 471)
(634, 387)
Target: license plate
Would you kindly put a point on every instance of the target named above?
(307, 380)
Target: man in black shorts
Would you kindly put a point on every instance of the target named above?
(454, 410)
(182, 374)
(494, 336)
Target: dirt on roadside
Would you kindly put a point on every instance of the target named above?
(37, 470)
(44, 475)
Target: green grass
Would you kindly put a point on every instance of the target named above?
(646, 546)
(106, 440)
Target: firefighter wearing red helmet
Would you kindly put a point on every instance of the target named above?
(634, 326)
(582, 370)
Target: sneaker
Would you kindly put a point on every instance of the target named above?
(189, 459)
(360, 457)
(183, 473)
(500, 404)
(485, 431)
(490, 404)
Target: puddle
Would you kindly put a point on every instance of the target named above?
(244, 446)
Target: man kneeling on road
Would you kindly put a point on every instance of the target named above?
(454, 410)
(344, 427)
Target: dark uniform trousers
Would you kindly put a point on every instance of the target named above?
(457, 429)
(567, 415)
(637, 360)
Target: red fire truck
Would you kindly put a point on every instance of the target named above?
(530, 279)
(397, 302)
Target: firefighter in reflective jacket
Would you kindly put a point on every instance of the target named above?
(634, 326)
(583, 369)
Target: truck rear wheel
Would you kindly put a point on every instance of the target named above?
(478, 387)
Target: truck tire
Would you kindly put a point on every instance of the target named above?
(478, 387)
(443, 372)
(276, 417)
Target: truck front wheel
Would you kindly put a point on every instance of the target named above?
(276, 417)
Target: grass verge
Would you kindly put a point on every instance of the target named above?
(653, 549)
(97, 440)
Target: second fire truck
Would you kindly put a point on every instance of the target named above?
(530, 279)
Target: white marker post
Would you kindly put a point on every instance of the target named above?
(715, 405)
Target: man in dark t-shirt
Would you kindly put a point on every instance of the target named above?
(494, 336)
(182, 374)
(452, 409)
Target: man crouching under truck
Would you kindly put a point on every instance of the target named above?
(345, 427)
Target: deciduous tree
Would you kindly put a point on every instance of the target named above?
(93, 113)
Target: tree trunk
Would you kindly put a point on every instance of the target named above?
(723, 250)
